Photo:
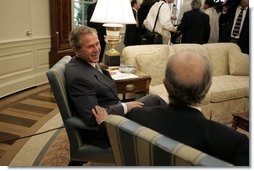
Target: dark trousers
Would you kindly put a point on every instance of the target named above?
(153, 100)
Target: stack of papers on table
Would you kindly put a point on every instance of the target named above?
(117, 75)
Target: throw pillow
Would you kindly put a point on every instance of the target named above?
(154, 64)
(238, 63)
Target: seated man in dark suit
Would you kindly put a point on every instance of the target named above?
(88, 85)
(187, 80)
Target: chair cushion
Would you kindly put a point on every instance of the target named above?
(238, 63)
(154, 64)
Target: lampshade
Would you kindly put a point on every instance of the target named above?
(113, 12)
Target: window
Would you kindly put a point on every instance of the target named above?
(79, 12)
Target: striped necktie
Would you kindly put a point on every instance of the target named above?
(238, 22)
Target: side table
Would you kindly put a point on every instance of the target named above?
(241, 120)
(134, 85)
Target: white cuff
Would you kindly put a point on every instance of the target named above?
(125, 110)
(102, 121)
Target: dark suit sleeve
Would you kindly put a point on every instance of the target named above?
(182, 26)
(207, 30)
(241, 155)
(84, 99)
(228, 144)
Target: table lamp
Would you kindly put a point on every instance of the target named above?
(113, 13)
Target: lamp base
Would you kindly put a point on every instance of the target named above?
(112, 59)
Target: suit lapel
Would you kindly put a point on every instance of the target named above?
(103, 78)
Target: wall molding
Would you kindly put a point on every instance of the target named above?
(23, 64)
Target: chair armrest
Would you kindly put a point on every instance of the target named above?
(76, 122)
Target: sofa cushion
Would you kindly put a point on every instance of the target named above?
(223, 88)
(197, 48)
(238, 63)
(161, 91)
(227, 87)
(154, 64)
(218, 54)
(130, 53)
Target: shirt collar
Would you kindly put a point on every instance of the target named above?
(196, 107)
(240, 7)
(92, 64)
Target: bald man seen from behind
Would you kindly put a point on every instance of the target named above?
(187, 80)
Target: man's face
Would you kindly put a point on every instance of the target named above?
(90, 48)
(170, 1)
(244, 3)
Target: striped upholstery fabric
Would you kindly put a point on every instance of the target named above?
(136, 145)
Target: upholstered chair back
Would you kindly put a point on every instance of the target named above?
(136, 145)
(79, 149)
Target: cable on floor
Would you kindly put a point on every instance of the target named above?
(28, 136)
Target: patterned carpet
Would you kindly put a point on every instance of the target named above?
(31, 130)
(56, 151)
(48, 149)
(22, 115)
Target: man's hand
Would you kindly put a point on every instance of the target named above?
(100, 114)
(173, 17)
(173, 30)
(131, 105)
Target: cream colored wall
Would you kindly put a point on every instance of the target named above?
(24, 59)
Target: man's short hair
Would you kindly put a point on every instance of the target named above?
(77, 32)
(210, 3)
(196, 4)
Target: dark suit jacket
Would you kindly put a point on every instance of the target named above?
(88, 87)
(131, 36)
(194, 27)
(226, 23)
(189, 126)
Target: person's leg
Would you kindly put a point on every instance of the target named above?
(153, 100)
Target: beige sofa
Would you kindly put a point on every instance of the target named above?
(229, 92)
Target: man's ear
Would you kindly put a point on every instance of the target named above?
(208, 86)
(76, 51)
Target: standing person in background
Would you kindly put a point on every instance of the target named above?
(236, 29)
(142, 14)
(131, 32)
(164, 23)
(210, 10)
(194, 27)
(99, 28)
